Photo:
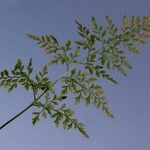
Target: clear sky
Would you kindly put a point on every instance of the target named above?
(130, 100)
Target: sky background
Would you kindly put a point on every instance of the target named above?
(129, 101)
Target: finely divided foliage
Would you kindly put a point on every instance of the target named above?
(105, 50)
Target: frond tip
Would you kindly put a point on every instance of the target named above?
(48, 42)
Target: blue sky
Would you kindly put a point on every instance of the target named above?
(129, 100)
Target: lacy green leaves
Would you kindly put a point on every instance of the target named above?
(99, 51)
(84, 88)
(60, 114)
(45, 98)
(107, 45)
(17, 76)
(48, 43)
(21, 75)
(93, 57)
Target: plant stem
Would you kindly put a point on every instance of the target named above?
(16, 116)
(20, 113)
